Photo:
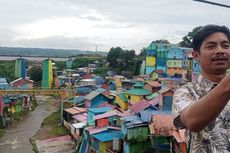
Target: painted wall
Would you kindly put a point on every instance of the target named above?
(121, 103)
(98, 100)
(102, 122)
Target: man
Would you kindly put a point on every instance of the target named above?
(202, 107)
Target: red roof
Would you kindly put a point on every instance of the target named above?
(162, 125)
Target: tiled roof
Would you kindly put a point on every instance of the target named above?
(107, 114)
(162, 125)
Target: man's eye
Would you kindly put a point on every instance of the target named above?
(226, 46)
(210, 47)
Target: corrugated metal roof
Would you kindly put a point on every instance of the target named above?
(138, 84)
(133, 121)
(81, 117)
(152, 96)
(79, 125)
(138, 91)
(154, 84)
(122, 96)
(137, 107)
(100, 90)
(146, 115)
(164, 89)
(94, 130)
(78, 99)
(107, 114)
(162, 125)
(108, 135)
(92, 95)
(99, 110)
(75, 110)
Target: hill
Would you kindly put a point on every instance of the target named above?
(44, 52)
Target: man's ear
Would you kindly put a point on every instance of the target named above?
(196, 55)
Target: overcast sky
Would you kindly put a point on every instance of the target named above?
(85, 24)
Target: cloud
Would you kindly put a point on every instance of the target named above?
(132, 24)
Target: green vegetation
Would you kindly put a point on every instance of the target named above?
(35, 73)
(53, 121)
(7, 70)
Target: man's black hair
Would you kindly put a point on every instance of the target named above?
(206, 31)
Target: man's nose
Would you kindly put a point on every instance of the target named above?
(219, 50)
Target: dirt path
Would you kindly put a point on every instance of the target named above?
(16, 138)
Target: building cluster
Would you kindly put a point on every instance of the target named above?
(120, 114)
(166, 60)
(12, 104)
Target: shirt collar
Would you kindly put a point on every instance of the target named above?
(204, 84)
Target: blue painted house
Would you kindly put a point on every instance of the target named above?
(167, 96)
(161, 57)
(95, 111)
(103, 141)
(174, 62)
(95, 98)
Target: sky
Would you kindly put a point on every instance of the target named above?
(103, 24)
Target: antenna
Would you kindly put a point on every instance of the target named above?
(213, 3)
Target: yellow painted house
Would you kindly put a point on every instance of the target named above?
(137, 93)
(122, 101)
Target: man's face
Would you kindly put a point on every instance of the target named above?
(214, 55)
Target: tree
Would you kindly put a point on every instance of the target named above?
(35, 73)
(113, 55)
(187, 40)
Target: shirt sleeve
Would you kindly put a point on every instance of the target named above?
(182, 98)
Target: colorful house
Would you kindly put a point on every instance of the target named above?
(161, 57)
(161, 129)
(137, 93)
(47, 73)
(20, 68)
(179, 145)
(150, 61)
(106, 139)
(136, 134)
(152, 86)
(174, 62)
(122, 101)
(95, 111)
(110, 118)
(95, 98)
(25, 83)
(167, 94)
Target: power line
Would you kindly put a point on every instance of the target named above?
(213, 3)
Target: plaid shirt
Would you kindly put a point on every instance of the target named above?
(215, 137)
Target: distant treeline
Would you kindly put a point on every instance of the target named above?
(44, 52)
